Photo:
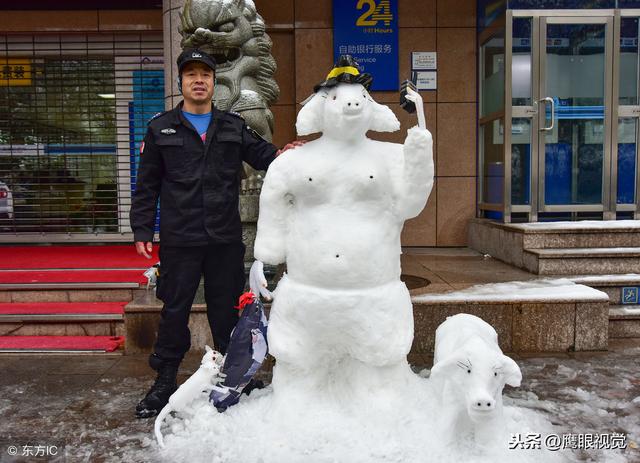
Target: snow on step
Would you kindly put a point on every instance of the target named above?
(607, 280)
(583, 225)
(557, 253)
(75, 344)
(544, 290)
(624, 312)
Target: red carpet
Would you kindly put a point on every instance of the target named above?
(50, 308)
(59, 257)
(93, 343)
(73, 276)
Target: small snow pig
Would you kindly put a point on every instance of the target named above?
(469, 373)
(202, 380)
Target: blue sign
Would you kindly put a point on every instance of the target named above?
(368, 31)
(630, 295)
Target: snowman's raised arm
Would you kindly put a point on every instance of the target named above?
(269, 245)
(417, 174)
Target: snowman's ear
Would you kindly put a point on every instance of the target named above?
(311, 116)
(383, 119)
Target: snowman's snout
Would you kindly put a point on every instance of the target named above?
(353, 106)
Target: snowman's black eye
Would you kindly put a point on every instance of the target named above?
(469, 371)
(495, 373)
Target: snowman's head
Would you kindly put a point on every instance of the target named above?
(346, 112)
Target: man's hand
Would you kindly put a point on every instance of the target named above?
(290, 146)
(144, 249)
(257, 281)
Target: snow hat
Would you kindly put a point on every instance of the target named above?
(346, 70)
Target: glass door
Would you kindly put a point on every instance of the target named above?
(625, 184)
(574, 114)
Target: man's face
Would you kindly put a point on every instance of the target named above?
(197, 82)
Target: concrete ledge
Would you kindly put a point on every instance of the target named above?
(142, 317)
(541, 316)
(546, 316)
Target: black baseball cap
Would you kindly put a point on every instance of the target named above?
(193, 54)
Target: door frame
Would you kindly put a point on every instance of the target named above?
(623, 111)
(536, 113)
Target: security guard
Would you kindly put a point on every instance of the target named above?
(191, 159)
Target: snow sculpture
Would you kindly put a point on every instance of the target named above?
(202, 380)
(333, 210)
(468, 375)
(341, 323)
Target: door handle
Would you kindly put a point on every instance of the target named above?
(553, 113)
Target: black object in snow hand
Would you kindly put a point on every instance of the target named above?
(407, 105)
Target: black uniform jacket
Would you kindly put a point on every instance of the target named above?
(197, 183)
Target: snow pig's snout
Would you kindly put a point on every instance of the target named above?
(353, 104)
(480, 404)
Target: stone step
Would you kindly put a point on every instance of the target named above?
(63, 286)
(62, 319)
(579, 234)
(582, 261)
(624, 321)
(510, 242)
(611, 284)
(74, 293)
(61, 344)
(67, 327)
(624, 312)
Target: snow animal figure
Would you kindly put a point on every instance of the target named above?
(202, 380)
(333, 210)
(469, 372)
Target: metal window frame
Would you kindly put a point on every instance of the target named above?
(521, 112)
(497, 27)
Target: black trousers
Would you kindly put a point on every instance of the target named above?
(180, 271)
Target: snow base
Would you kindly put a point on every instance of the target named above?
(375, 421)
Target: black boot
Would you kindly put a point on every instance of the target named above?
(165, 384)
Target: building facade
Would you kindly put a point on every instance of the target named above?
(79, 84)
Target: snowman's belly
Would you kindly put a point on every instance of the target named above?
(340, 248)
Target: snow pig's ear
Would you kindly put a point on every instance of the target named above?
(311, 116)
(383, 119)
(511, 372)
(445, 368)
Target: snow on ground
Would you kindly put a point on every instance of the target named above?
(594, 395)
(534, 290)
(589, 393)
(577, 225)
(358, 433)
